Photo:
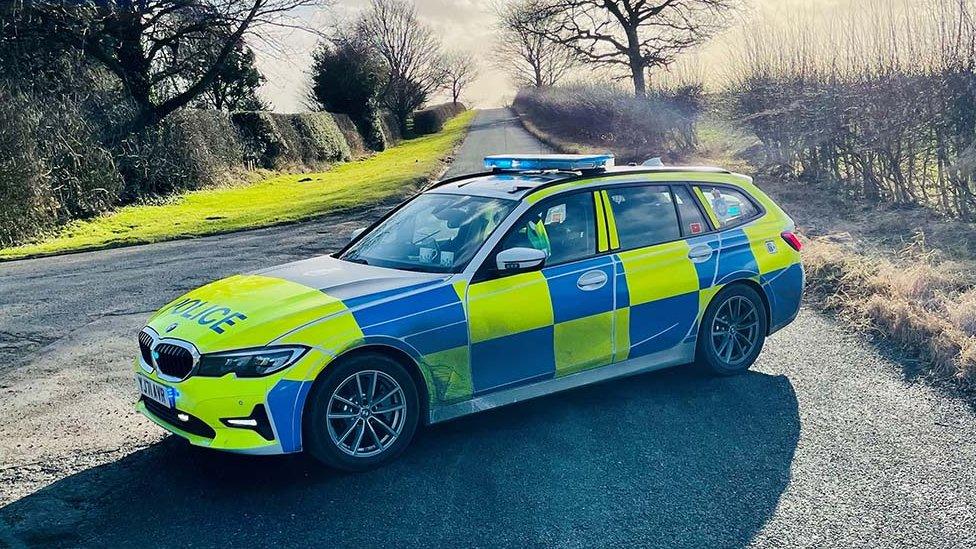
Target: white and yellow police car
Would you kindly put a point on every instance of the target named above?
(541, 274)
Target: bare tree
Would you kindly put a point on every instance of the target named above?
(166, 53)
(411, 52)
(525, 52)
(461, 73)
(634, 34)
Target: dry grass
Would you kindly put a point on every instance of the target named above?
(924, 305)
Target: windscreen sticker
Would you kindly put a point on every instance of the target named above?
(696, 228)
(556, 214)
(427, 255)
(447, 259)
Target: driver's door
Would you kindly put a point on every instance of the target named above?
(549, 322)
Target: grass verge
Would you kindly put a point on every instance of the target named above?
(276, 200)
(923, 306)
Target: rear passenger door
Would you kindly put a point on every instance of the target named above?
(658, 283)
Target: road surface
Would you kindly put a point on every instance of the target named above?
(825, 444)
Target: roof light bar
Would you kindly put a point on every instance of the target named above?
(543, 162)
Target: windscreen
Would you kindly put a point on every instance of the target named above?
(434, 233)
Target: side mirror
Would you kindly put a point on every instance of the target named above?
(519, 259)
(355, 233)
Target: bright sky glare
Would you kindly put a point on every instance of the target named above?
(467, 25)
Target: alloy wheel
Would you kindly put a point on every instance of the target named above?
(366, 413)
(735, 330)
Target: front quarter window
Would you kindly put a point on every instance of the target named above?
(437, 233)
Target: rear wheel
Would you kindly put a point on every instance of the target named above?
(732, 331)
(363, 414)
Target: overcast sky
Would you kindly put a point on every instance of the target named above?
(465, 25)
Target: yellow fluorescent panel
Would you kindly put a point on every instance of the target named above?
(583, 343)
(509, 305)
(659, 272)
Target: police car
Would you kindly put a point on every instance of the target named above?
(541, 274)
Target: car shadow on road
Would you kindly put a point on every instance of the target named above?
(672, 458)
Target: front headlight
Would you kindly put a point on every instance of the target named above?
(249, 363)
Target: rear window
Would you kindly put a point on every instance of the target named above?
(644, 215)
(729, 207)
(692, 220)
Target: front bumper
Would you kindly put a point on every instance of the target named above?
(202, 405)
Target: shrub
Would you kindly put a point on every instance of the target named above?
(390, 129)
(357, 145)
(432, 119)
(190, 150)
(263, 144)
(376, 133)
(52, 167)
(319, 138)
(635, 129)
(283, 141)
(58, 164)
(886, 117)
(25, 197)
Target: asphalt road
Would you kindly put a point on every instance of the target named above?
(824, 444)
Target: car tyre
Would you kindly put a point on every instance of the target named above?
(733, 331)
(362, 414)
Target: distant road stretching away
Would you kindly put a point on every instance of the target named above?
(495, 131)
(824, 444)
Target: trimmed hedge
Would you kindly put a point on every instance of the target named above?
(282, 141)
(355, 140)
(55, 164)
(190, 150)
(600, 117)
(390, 129)
(432, 120)
(52, 167)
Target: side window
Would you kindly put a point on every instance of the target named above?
(644, 215)
(692, 220)
(565, 228)
(729, 206)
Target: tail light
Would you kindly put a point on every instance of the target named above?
(792, 240)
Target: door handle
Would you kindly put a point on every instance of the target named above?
(592, 280)
(700, 254)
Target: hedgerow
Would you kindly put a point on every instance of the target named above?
(606, 118)
(432, 119)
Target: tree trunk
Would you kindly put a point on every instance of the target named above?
(640, 80)
(134, 68)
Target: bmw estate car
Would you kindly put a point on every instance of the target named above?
(541, 274)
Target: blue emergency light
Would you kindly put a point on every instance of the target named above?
(544, 162)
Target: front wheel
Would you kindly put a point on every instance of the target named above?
(732, 331)
(363, 414)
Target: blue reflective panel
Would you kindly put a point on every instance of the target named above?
(570, 162)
